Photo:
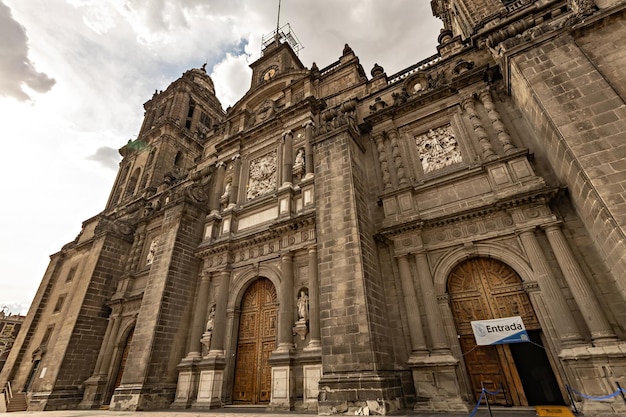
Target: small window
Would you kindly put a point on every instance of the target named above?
(205, 119)
(178, 160)
(59, 305)
(46, 336)
(70, 275)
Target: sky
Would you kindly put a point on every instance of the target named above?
(74, 75)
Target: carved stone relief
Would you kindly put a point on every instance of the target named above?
(465, 230)
(262, 176)
(247, 253)
(438, 149)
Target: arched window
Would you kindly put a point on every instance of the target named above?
(132, 183)
(178, 160)
(144, 182)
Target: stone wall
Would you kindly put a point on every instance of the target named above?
(580, 119)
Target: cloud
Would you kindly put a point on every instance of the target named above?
(107, 157)
(109, 56)
(15, 309)
(232, 78)
(16, 69)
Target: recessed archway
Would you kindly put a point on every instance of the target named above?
(482, 289)
(256, 340)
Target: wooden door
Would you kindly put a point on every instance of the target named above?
(257, 338)
(120, 368)
(482, 289)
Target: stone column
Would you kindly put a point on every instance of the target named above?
(308, 148)
(496, 121)
(285, 338)
(234, 190)
(134, 262)
(397, 157)
(219, 328)
(105, 343)
(483, 139)
(382, 159)
(560, 314)
(416, 330)
(433, 313)
(110, 347)
(587, 302)
(287, 158)
(214, 203)
(199, 318)
(315, 341)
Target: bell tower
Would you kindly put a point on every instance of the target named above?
(466, 18)
(176, 125)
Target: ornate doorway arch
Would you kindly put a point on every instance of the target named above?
(484, 288)
(256, 341)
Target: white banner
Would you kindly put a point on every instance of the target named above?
(499, 331)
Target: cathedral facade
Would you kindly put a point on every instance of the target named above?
(326, 242)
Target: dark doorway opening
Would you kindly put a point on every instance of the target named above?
(540, 384)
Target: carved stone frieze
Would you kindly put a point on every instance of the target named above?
(462, 231)
(255, 250)
(438, 148)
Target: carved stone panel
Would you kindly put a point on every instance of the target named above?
(438, 148)
(263, 175)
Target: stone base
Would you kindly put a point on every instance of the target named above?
(54, 400)
(210, 389)
(136, 397)
(367, 392)
(311, 380)
(186, 388)
(282, 388)
(594, 371)
(436, 384)
(95, 391)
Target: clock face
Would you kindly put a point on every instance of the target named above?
(269, 73)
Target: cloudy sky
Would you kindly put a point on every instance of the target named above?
(74, 75)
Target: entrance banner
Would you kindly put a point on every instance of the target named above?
(500, 331)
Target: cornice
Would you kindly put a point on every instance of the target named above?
(544, 195)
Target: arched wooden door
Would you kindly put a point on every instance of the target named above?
(257, 339)
(482, 289)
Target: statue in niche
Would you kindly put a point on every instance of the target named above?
(298, 164)
(299, 158)
(211, 320)
(303, 306)
(208, 331)
(226, 195)
(152, 251)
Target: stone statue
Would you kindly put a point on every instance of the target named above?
(299, 158)
(211, 320)
(226, 191)
(152, 252)
(303, 306)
